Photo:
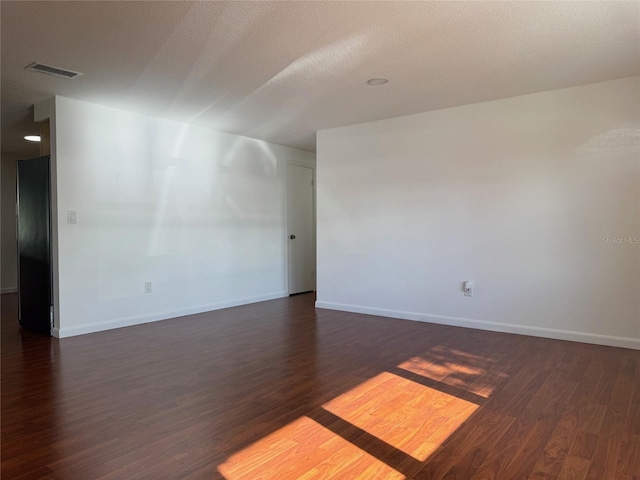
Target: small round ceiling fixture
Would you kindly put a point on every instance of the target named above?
(377, 81)
(32, 138)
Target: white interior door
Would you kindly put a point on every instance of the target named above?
(302, 255)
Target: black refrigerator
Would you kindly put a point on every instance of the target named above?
(35, 273)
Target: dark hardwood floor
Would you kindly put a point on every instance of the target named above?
(281, 390)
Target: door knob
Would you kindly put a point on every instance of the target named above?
(292, 236)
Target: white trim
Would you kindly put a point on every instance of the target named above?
(572, 336)
(155, 317)
(9, 290)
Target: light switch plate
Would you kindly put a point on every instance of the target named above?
(72, 216)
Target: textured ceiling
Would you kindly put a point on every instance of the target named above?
(280, 71)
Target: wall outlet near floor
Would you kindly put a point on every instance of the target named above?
(467, 287)
(147, 287)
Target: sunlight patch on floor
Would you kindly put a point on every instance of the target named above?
(478, 380)
(304, 449)
(410, 417)
(398, 422)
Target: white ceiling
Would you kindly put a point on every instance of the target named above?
(280, 71)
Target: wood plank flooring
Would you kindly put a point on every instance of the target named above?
(280, 390)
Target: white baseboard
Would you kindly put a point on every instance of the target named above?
(8, 290)
(155, 317)
(492, 326)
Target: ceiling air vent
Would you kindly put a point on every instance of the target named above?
(48, 69)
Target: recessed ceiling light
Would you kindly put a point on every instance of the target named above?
(377, 81)
(32, 138)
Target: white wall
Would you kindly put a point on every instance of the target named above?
(199, 213)
(8, 245)
(517, 195)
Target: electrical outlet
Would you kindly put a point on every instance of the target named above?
(147, 287)
(468, 289)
